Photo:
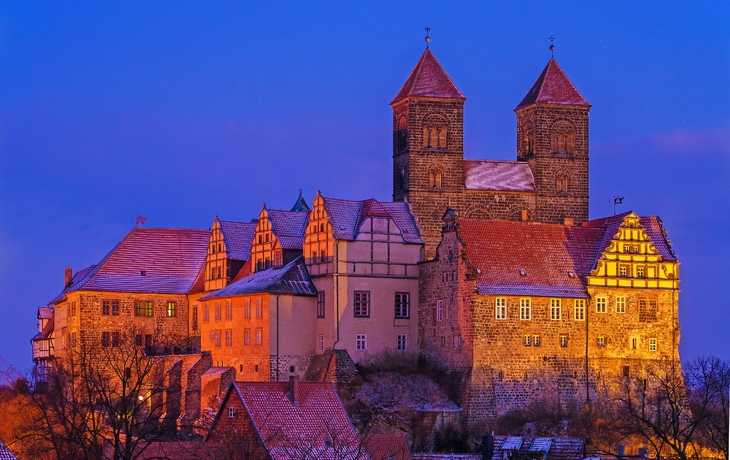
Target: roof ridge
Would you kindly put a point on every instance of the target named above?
(438, 85)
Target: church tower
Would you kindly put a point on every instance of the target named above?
(552, 137)
(428, 146)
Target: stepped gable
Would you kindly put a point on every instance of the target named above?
(170, 258)
(429, 79)
(292, 278)
(507, 176)
(289, 227)
(317, 421)
(553, 87)
(238, 237)
(527, 258)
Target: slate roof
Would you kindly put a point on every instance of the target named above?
(546, 253)
(292, 278)
(238, 237)
(289, 227)
(5, 453)
(346, 217)
(171, 259)
(509, 176)
(553, 87)
(301, 204)
(429, 79)
(285, 428)
(556, 448)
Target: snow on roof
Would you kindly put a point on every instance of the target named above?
(429, 79)
(238, 237)
(553, 87)
(510, 176)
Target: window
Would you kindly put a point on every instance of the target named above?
(105, 339)
(362, 304)
(601, 341)
(217, 311)
(142, 308)
(535, 340)
(105, 307)
(278, 261)
(527, 340)
(259, 309)
(247, 309)
(620, 304)
(259, 336)
(561, 183)
(625, 371)
(402, 342)
(525, 309)
(206, 315)
(622, 271)
(361, 342)
(247, 336)
(72, 309)
(500, 309)
(443, 341)
(600, 305)
(402, 305)
(435, 178)
(217, 337)
(138, 340)
(195, 317)
(229, 337)
(439, 310)
(148, 308)
(555, 309)
(320, 304)
(115, 308)
(255, 367)
(634, 343)
(652, 344)
(639, 272)
(627, 249)
(170, 308)
(231, 412)
(116, 339)
(320, 342)
(229, 309)
(564, 341)
(148, 340)
(579, 309)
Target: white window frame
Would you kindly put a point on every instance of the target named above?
(527, 340)
(231, 412)
(402, 342)
(579, 310)
(653, 344)
(556, 309)
(601, 305)
(361, 342)
(500, 308)
(525, 309)
(439, 310)
(535, 340)
(564, 341)
(601, 341)
(620, 304)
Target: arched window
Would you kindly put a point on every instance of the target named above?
(561, 183)
(435, 178)
(562, 137)
(401, 135)
(435, 130)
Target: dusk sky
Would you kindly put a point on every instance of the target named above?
(182, 111)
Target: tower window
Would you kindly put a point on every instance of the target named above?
(435, 178)
(435, 135)
(561, 183)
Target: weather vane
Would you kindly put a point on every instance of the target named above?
(139, 220)
(428, 39)
(552, 45)
(617, 200)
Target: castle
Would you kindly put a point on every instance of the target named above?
(491, 270)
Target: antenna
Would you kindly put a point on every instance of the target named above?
(552, 45)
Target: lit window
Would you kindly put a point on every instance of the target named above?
(620, 304)
(229, 337)
(148, 308)
(555, 309)
(564, 341)
(259, 336)
(362, 304)
(142, 308)
(601, 341)
(525, 309)
(535, 340)
(320, 304)
(247, 336)
(320, 342)
(402, 304)
(652, 344)
(439, 310)
(500, 309)
(527, 340)
(622, 271)
(600, 305)
(231, 412)
(170, 308)
(361, 342)
(579, 309)
(229, 309)
(402, 342)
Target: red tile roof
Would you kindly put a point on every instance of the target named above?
(429, 79)
(652, 225)
(346, 217)
(553, 87)
(186, 451)
(317, 422)
(508, 176)
(527, 258)
(387, 446)
(170, 258)
(238, 237)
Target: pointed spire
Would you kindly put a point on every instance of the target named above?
(553, 87)
(429, 79)
(301, 205)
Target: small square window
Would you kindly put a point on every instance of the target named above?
(639, 272)
(601, 341)
(500, 309)
(652, 344)
(361, 342)
(527, 340)
(622, 271)
(402, 342)
(564, 341)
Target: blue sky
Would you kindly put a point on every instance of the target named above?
(182, 111)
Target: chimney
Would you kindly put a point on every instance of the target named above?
(294, 389)
(67, 276)
(568, 221)
(488, 447)
(524, 215)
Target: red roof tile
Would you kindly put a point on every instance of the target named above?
(185, 451)
(553, 87)
(508, 176)
(527, 258)
(429, 79)
(238, 237)
(286, 428)
(387, 446)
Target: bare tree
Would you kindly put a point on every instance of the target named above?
(708, 380)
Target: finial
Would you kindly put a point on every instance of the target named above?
(552, 45)
(428, 39)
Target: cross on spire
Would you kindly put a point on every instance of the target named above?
(428, 39)
(552, 45)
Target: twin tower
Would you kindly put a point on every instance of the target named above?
(547, 183)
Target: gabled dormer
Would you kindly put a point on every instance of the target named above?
(635, 254)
